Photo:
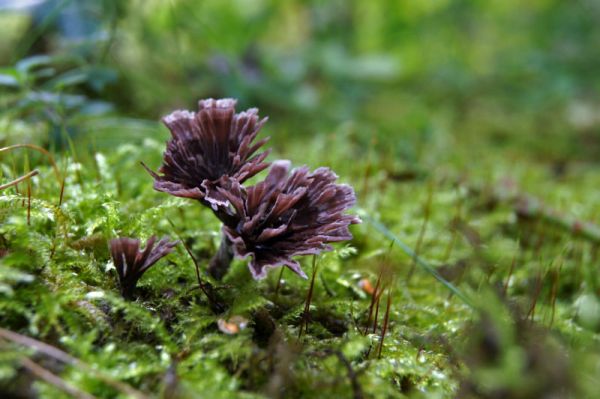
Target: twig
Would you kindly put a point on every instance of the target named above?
(64, 357)
(529, 207)
(53, 379)
(20, 179)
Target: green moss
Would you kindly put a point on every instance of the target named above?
(464, 128)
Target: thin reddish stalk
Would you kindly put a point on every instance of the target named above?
(306, 313)
(62, 193)
(385, 321)
(29, 204)
(375, 319)
(39, 149)
(538, 290)
(373, 299)
(205, 287)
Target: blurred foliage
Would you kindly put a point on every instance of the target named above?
(469, 129)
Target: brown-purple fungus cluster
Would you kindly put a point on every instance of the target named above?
(132, 262)
(208, 149)
(211, 153)
(288, 214)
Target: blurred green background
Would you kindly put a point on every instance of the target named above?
(404, 75)
(469, 129)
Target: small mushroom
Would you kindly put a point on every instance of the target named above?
(207, 149)
(132, 262)
(286, 215)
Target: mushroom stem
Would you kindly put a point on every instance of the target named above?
(219, 264)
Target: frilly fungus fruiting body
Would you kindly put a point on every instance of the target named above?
(212, 153)
(132, 262)
(288, 214)
(209, 148)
